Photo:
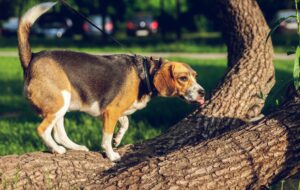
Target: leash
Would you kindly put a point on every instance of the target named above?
(146, 78)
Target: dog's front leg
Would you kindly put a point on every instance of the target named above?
(124, 122)
(109, 122)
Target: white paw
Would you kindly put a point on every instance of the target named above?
(114, 156)
(59, 150)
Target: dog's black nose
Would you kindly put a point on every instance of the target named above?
(201, 92)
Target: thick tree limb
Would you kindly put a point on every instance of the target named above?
(247, 158)
(250, 157)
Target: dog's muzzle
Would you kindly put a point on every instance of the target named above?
(195, 94)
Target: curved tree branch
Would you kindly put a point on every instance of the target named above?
(252, 156)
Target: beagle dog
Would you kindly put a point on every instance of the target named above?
(110, 87)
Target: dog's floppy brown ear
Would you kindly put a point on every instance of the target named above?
(163, 81)
(171, 70)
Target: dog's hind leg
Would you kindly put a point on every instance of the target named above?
(124, 122)
(44, 131)
(50, 120)
(62, 138)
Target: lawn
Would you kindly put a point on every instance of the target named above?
(18, 121)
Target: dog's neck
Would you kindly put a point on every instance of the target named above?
(147, 68)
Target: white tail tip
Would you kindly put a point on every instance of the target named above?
(35, 12)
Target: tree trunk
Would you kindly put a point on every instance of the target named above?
(213, 148)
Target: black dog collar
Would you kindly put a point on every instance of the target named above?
(143, 67)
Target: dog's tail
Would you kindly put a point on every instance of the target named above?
(24, 29)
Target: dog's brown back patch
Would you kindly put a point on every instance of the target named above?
(45, 82)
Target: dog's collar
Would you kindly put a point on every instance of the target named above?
(148, 81)
(146, 77)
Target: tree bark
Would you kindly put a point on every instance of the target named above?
(212, 148)
(250, 157)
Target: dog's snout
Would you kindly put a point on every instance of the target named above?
(201, 92)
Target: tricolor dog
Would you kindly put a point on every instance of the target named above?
(109, 87)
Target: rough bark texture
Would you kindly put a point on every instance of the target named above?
(213, 148)
(247, 158)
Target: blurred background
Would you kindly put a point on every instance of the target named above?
(181, 30)
(153, 24)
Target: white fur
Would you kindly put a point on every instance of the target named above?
(124, 122)
(62, 138)
(192, 93)
(106, 145)
(46, 136)
(35, 12)
(92, 109)
(50, 143)
(59, 133)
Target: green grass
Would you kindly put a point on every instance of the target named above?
(18, 121)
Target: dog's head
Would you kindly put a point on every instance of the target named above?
(178, 79)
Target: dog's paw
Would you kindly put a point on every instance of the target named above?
(114, 156)
(59, 150)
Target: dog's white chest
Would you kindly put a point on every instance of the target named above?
(137, 105)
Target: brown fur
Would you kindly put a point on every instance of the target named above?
(163, 81)
(126, 97)
(166, 79)
(48, 119)
(44, 89)
(182, 70)
(23, 45)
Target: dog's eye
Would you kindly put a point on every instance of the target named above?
(183, 78)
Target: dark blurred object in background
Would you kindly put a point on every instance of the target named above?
(288, 26)
(9, 27)
(91, 31)
(142, 24)
(53, 26)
